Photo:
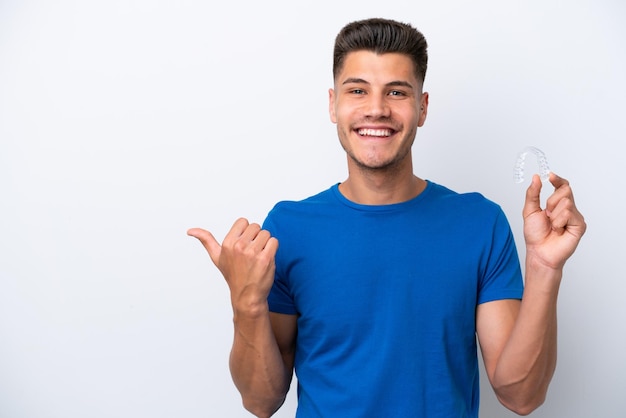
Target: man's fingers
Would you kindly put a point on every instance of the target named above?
(241, 231)
(208, 241)
(562, 191)
(565, 216)
(557, 181)
(533, 201)
(251, 233)
(265, 242)
(239, 227)
(271, 246)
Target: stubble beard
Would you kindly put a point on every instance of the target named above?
(390, 165)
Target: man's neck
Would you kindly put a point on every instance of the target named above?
(381, 188)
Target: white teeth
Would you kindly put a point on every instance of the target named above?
(374, 132)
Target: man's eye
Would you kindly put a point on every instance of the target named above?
(357, 91)
(396, 93)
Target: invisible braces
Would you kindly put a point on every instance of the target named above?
(541, 160)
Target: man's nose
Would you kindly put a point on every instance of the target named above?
(377, 107)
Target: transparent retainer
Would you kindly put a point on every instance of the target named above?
(544, 169)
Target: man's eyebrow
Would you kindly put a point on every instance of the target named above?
(397, 83)
(400, 83)
(354, 81)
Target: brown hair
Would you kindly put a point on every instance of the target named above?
(381, 36)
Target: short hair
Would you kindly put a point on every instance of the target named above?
(381, 36)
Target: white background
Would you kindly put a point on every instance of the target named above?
(125, 122)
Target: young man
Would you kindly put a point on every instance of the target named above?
(383, 281)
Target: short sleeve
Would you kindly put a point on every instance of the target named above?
(502, 278)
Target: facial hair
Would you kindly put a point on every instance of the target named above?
(390, 165)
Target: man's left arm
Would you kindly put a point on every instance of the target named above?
(519, 339)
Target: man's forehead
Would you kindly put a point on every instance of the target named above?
(369, 67)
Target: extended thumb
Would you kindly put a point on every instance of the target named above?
(208, 241)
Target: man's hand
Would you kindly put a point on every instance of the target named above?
(552, 235)
(246, 260)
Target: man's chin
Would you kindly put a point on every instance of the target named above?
(374, 165)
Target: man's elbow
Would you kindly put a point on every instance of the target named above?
(522, 404)
(262, 409)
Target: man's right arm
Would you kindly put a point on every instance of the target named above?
(262, 356)
(261, 360)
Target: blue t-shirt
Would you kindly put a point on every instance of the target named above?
(386, 299)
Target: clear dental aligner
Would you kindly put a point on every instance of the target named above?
(541, 160)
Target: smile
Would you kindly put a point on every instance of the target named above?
(381, 133)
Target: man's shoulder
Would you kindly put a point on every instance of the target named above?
(297, 208)
(448, 195)
(323, 197)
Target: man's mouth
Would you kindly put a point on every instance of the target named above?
(379, 133)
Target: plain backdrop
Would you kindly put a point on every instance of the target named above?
(125, 122)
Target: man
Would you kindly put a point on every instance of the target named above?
(383, 281)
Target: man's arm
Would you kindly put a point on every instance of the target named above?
(519, 339)
(261, 360)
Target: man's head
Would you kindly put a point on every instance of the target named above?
(381, 36)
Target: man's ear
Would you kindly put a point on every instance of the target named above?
(331, 105)
(423, 111)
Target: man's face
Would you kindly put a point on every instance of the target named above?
(377, 104)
